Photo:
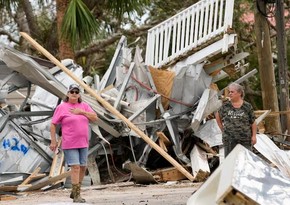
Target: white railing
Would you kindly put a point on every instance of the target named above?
(187, 30)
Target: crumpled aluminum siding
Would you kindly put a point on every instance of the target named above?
(17, 154)
(245, 172)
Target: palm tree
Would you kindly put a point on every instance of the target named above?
(65, 47)
(76, 24)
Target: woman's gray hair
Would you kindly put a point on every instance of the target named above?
(238, 88)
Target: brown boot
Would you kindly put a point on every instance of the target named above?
(73, 191)
(77, 194)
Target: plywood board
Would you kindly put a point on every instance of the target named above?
(169, 174)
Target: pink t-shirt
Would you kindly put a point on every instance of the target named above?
(74, 128)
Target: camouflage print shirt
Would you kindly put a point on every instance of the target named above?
(237, 121)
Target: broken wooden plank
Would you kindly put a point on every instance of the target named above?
(50, 180)
(23, 187)
(168, 174)
(7, 197)
(162, 136)
(28, 179)
(236, 197)
(8, 188)
(93, 170)
(162, 145)
(217, 65)
(63, 179)
(57, 162)
(230, 70)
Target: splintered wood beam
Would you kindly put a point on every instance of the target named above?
(32, 176)
(48, 181)
(108, 106)
(162, 145)
(235, 197)
(93, 170)
(163, 137)
(8, 188)
(168, 174)
(7, 198)
(57, 162)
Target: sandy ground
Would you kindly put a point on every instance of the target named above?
(128, 193)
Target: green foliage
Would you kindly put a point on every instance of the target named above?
(118, 8)
(79, 25)
(163, 9)
(8, 4)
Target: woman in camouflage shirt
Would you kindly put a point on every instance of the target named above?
(236, 119)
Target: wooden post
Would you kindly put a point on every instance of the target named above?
(108, 106)
(282, 65)
(266, 69)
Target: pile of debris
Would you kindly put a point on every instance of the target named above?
(155, 125)
(170, 106)
(180, 130)
(139, 93)
(154, 118)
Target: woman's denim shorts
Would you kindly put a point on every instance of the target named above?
(77, 156)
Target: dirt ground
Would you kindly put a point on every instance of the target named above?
(126, 193)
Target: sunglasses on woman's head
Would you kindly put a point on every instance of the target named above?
(74, 91)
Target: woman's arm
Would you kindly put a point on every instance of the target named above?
(92, 116)
(254, 132)
(53, 143)
(219, 121)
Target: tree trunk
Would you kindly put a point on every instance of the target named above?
(65, 48)
(21, 21)
(266, 69)
(282, 65)
(31, 19)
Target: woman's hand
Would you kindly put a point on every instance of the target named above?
(92, 116)
(53, 146)
(254, 140)
(76, 111)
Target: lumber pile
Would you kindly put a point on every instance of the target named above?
(38, 181)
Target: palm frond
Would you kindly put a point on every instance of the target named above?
(79, 25)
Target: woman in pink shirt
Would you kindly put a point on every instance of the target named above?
(74, 116)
